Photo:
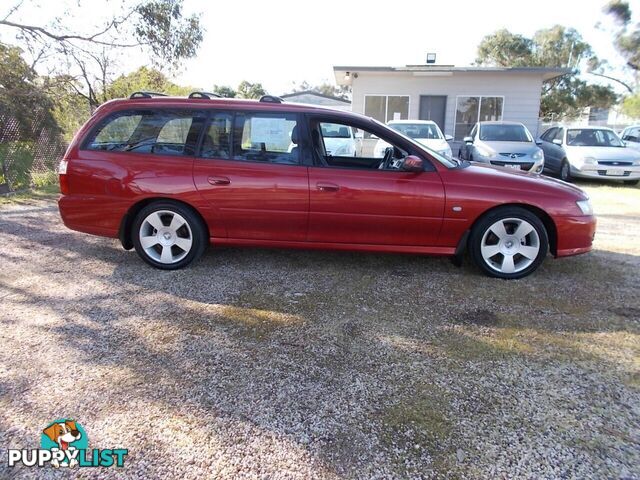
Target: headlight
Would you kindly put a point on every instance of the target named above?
(538, 155)
(585, 207)
(589, 161)
(485, 152)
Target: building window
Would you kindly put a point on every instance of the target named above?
(386, 107)
(473, 109)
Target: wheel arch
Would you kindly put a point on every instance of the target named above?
(546, 219)
(124, 233)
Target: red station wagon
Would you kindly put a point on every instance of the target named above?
(168, 175)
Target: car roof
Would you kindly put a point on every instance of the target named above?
(583, 127)
(499, 122)
(416, 122)
(232, 103)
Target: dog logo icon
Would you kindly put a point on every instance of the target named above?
(64, 435)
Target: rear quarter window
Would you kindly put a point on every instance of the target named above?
(159, 132)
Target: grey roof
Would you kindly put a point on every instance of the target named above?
(317, 94)
(546, 72)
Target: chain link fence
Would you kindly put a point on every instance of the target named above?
(28, 160)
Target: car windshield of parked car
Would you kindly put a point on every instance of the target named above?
(331, 130)
(504, 133)
(590, 137)
(417, 130)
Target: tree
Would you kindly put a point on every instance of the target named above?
(88, 60)
(631, 106)
(627, 38)
(342, 91)
(250, 90)
(224, 91)
(144, 79)
(563, 96)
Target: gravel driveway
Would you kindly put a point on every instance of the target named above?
(293, 364)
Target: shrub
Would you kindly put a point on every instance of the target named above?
(44, 179)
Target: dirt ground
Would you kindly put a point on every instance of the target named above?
(262, 363)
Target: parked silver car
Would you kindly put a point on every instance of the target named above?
(631, 136)
(507, 144)
(589, 152)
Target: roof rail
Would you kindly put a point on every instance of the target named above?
(207, 95)
(271, 99)
(147, 94)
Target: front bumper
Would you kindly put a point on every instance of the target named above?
(575, 234)
(525, 164)
(607, 172)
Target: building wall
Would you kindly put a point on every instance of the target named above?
(521, 92)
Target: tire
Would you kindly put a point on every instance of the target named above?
(565, 171)
(631, 182)
(174, 235)
(460, 154)
(503, 252)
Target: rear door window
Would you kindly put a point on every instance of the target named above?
(264, 137)
(158, 132)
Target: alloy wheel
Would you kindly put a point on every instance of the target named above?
(166, 236)
(510, 245)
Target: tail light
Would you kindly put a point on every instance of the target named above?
(62, 175)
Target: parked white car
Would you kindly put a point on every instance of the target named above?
(425, 132)
(589, 152)
(341, 141)
(631, 136)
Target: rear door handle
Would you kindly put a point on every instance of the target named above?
(327, 187)
(218, 180)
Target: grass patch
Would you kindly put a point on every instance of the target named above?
(26, 196)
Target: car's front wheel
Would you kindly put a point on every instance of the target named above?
(565, 171)
(509, 242)
(168, 235)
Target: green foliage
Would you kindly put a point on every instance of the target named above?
(250, 90)
(41, 180)
(169, 35)
(341, 91)
(144, 79)
(224, 91)
(17, 173)
(564, 96)
(627, 38)
(21, 97)
(631, 106)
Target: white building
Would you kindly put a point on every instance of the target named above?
(454, 97)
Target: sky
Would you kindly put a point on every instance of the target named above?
(281, 42)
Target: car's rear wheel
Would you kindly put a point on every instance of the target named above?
(509, 242)
(565, 171)
(168, 235)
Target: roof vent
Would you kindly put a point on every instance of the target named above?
(147, 94)
(206, 95)
(431, 58)
(270, 99)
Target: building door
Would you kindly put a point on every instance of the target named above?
(432, 107)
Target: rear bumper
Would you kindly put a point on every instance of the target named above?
(91, 214)
(575, 235)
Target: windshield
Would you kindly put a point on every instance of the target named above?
(442, 159)
(589, 137)
(504, 133)
(418, 130)
(331, 130)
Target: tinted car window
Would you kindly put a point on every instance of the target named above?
(504, 133)
(265, 138)
(217, 138)
(548, 135)
(151, 131)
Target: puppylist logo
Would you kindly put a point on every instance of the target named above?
(64, 443)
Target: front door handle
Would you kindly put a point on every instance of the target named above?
(218, 180)
(327, 187)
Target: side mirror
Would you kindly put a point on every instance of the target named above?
(448, 138)
(413, 164)
(557, 141)
(538, 141)
(467, 140)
